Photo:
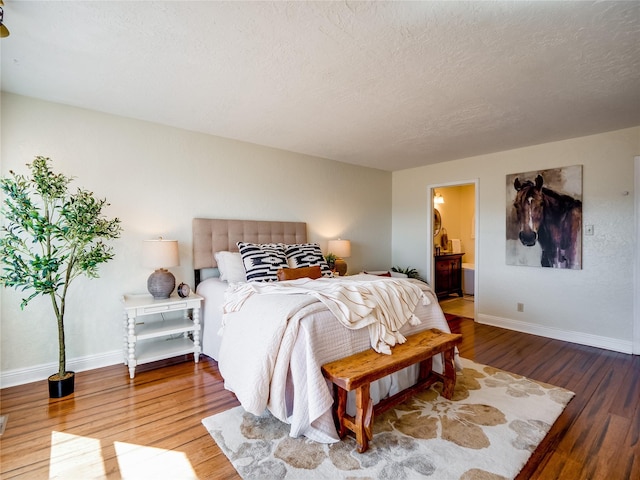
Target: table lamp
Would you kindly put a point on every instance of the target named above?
(160, 254)
(341, 249)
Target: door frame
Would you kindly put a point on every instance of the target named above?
(431, 270)
(636, 270)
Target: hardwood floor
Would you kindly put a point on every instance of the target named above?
(462, 307)
(150, 427)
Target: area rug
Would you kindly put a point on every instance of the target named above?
(487, 431)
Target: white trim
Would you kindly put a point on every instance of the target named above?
(36, 373)
(636, 269)
(607, 343)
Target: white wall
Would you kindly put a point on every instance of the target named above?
(592, 306)
(157, 179)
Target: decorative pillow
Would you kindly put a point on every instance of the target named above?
(262, 261)
(306, 255)
(398, 274)
(231, 267)
(302, 272)
(380, 273)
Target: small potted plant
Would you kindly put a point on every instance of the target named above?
(331, 260)
(50, 237)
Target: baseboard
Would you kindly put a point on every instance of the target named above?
(21, 376)
(607, 343)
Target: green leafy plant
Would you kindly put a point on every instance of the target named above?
(50, 237)
(331, 260)
(409, 272)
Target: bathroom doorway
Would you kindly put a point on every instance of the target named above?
(453, 247)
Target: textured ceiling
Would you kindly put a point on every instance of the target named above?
(390, 85)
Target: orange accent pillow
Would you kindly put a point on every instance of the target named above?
(301, 272)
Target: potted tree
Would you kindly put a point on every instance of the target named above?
(50, 237)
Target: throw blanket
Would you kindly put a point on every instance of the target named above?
(383, 305)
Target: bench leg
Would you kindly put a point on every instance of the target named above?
(364, 418)
(426, 366)
(449, 374)
(340, 410)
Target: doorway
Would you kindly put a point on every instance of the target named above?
(453, 218)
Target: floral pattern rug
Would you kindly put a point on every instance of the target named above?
(487, 431)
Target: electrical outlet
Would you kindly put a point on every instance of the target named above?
(521, 307)
(588, 229)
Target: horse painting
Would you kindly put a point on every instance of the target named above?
(552, 220)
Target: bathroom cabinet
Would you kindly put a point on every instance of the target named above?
(448, 274)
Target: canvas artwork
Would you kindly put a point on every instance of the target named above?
(544, 218)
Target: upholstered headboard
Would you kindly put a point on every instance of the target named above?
(216, 235)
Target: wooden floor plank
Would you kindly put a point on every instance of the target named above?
(596, 437)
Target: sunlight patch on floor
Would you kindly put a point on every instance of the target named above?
(74, 456)
(137, 461)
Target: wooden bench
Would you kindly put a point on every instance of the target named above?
(357, 371)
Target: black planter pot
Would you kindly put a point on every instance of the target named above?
(61, 388)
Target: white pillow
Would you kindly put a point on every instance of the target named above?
(387, 273)
(231, 267)
(398, 274)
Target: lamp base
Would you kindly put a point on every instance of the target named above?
(340, 267)
(161, 283)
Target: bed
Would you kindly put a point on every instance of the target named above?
(290, 384)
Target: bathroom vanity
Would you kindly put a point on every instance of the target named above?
(448, 274)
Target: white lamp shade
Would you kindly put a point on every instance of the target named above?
(340, 248)
(160, 253)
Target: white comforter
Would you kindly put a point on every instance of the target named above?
(275, 339)
(253, 340)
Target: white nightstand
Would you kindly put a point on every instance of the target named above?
(155, 330)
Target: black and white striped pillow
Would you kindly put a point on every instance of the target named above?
(262, 261)
(306, 255)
